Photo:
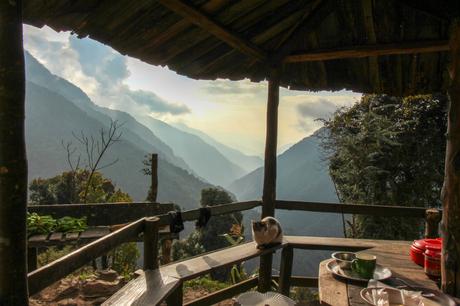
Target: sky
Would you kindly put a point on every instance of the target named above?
(232, 112)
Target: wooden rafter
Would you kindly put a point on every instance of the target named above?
(198, 18)
(369, 50)
(317, 12)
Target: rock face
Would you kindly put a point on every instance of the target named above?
(73, 291)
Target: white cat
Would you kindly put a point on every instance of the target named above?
(267, 232)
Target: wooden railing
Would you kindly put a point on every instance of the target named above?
(46, 275)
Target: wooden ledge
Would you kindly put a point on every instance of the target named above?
(151, 287)
(204, 263)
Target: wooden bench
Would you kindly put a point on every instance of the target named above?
(152, 287)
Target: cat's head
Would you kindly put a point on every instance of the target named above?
(259, 226)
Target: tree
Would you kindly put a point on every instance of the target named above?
(389, 151)
(71, 187)
(95, 149)
(213, 235)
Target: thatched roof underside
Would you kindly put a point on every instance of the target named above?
(156, 34)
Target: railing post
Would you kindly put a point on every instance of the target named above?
(154, 183)
(176, 297)
(31, 259)
(287, 256)
(269, 190)
(151, 243)
(432, 218)
(166, 245)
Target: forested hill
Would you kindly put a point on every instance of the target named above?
(53, 113)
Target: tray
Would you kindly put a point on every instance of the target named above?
(380, 273)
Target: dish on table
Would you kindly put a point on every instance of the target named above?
(380, 273)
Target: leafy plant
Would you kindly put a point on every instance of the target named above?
(37, 224)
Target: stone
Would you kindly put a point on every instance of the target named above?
(100, 288)
(108, 275)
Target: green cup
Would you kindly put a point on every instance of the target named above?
(364, 265)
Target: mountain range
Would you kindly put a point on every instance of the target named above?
(189, 160)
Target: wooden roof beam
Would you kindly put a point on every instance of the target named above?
(369, 50)
(198, 18)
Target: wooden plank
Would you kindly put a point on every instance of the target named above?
(379, 210)
(331, 292)
(206, 23)
(71, 236)
(38, 238)
(192, 215)
(104, 213)
(226, 293)
(202, 264)
(150, 288)
(329, 243)
(368, 50)
(95, 232)
(176, 297)
(450, 267)
(56, 236)
(46, 275)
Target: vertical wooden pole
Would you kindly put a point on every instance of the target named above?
(176, 297)
(450, 265)
(287, 257)
(269, 191)
(432, 218)
(151, 243)
(154, 185)
(31, 259)
(13, 163)
(166, 245)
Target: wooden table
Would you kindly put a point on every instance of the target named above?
(392, 254)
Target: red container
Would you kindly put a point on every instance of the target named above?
(433, 259)
(418, 248)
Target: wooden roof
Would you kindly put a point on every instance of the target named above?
(239, 39)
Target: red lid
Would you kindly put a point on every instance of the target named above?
(422, 243)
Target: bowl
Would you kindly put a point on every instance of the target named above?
(344, 259)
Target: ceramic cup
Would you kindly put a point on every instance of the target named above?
(364, 264)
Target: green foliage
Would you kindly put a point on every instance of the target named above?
(70, 186)
(205, 282)
(37, 224)
(221, 231)
(53, 253)
(189, 247)
(386, 150)
(124, 259)
(212, 234)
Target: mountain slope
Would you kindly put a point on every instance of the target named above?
(131, 129)
(51, 118)
(247, 162)
(203, 158)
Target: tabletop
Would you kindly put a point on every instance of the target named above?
(391, 254)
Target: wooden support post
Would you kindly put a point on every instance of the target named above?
(31, 259)
(286, 270)
(450, 263)
(176, 297)
(432, 218)
(154, 185)
(13, 162)
(166, 245)
(151, 243)
(269, 191)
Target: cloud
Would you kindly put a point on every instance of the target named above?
(318, 109)
(98, 70)
(156, 104)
